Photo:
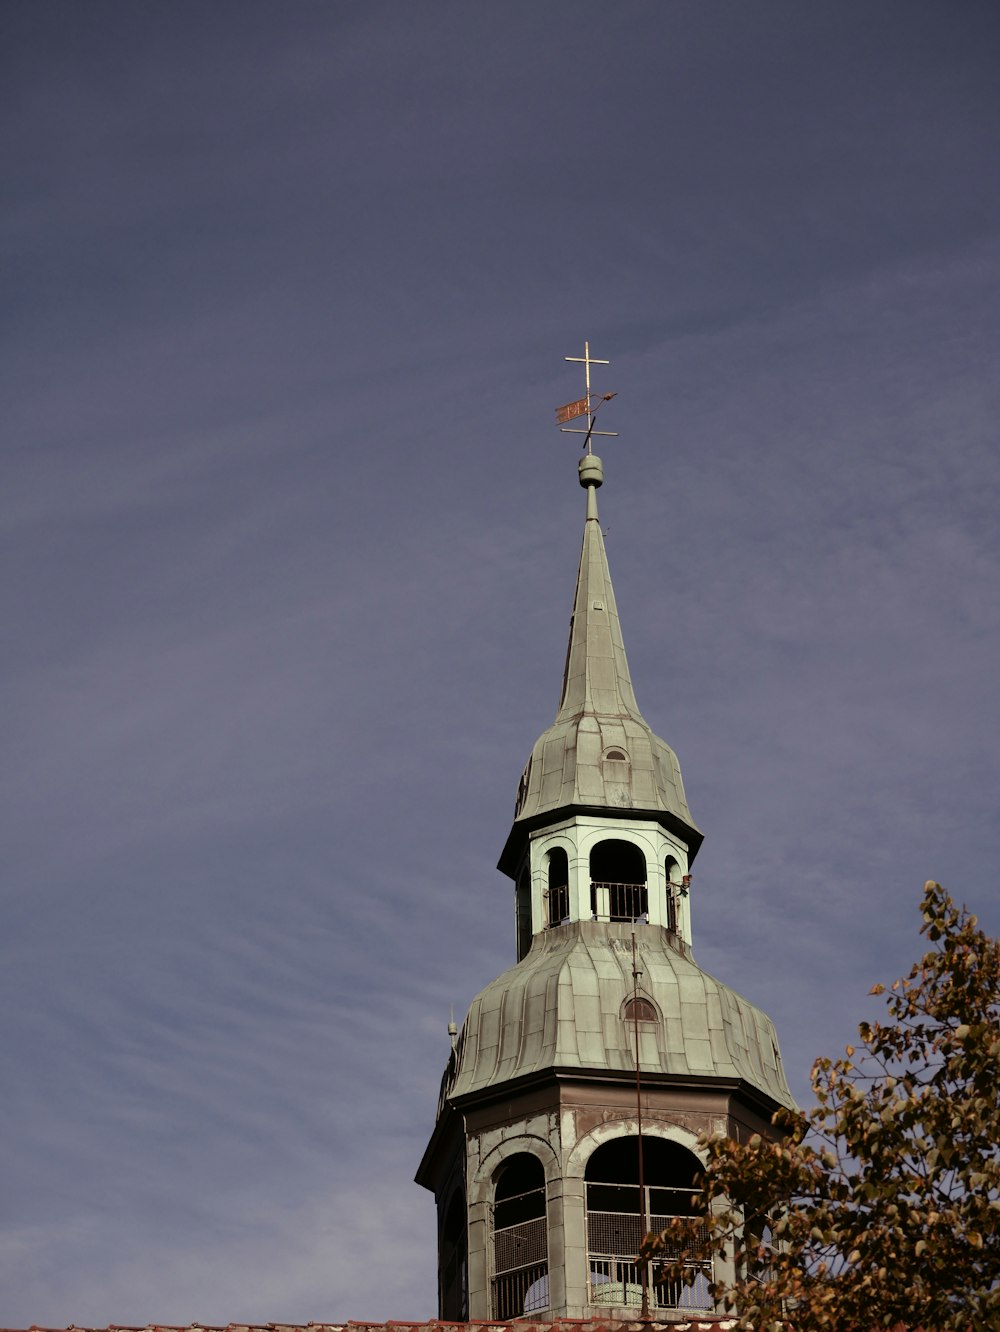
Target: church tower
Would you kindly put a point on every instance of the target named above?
(605, 1028)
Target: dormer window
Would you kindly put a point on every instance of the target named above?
(639, 1010)
(615, 767)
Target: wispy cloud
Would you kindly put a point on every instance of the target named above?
(290, 557)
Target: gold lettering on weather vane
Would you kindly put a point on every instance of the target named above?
(585, 406)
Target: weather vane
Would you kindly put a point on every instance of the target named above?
(585, 406)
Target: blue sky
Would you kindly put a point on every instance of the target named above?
(290, 542)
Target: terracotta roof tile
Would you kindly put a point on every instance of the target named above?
(706, 1323)
(702, 1323)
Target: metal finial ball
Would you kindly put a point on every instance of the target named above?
(591, 470)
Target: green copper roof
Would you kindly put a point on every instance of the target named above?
(596, 677)
(562, 1007)
(598, 712)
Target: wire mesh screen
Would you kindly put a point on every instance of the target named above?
(520, 1282)
(614, 1233)
(520, 1245)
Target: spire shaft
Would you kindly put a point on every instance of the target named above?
(600, 752)
(596, 678)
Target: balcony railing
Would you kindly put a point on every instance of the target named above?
(617, 1282)
(523, 1292)
(615, 1231)
(558, 904)
(618, 901)
(614, 1279)
(520, 1282)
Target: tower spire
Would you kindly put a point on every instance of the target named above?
(600, 752)
(573, 1098)
(596, 678)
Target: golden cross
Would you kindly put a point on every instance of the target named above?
(586, 360)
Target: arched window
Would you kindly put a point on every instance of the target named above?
(619, 1213)
(558, 887)
(673, 877)
(520, 1283)
(454, 1261)
(615, 767)
(617, 881)
(639, 1010)
(616, 774)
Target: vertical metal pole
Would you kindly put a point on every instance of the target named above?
(643, 1209)
(586, 365)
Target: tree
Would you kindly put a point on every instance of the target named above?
(881, 1206)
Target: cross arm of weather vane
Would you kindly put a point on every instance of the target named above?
(585, 406)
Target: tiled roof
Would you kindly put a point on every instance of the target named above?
(708, 1323)
(702, 1323)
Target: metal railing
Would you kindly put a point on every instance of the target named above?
(613, 1241)
(618, 901)
(520, 1282)
(617, 1282)
(522, 1292)
(558, 904)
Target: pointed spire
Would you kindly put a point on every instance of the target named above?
(596, 677)
(600, 753)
